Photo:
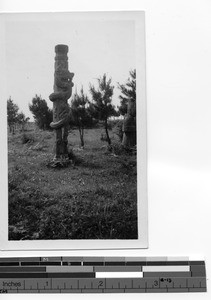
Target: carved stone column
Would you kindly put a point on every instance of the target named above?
(129, 126)
(61, 111)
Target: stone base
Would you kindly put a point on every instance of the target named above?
(60, 162)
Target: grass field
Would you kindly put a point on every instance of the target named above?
(94, 198)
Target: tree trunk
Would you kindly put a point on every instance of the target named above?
(81, 131)
(106, 130)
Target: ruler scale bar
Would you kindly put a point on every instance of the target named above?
(29, 263)
(118, 269)
(103, 259)
(22, 269)
(101, 275)
(135, 260)
(70, 269)
(166, 268)
(73, 263)
(48, 275)
(167, 274)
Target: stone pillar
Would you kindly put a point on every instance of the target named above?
(129, 126)
(61, 111)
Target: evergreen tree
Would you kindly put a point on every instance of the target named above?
(80, 115)
(22, 120)
(128, 91)
(42, 114)
(101, 106)
(12, 114)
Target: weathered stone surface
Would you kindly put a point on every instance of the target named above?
(62, 92)
(129, 126)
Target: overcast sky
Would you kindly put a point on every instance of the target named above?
(97, 45)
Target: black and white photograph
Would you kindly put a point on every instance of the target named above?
(74, 127)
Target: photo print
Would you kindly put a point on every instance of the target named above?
(73, 121)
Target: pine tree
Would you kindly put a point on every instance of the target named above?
(80, 115)
(42, 114)
(128, 91)
(101, 106)
(12, 114)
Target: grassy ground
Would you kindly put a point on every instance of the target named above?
(93, 199)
